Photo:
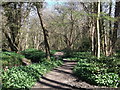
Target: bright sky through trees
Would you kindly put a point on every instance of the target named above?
(51, 3)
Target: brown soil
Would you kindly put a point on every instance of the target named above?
(63, 78)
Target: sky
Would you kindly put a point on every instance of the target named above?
(51, 3)
(48, 7)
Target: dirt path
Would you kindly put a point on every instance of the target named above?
(62, 78)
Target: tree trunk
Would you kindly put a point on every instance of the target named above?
(47, 49)
(106, 43)
(116, 24)
(71, 31)
(26, 41)
(93, 30)
(98, 31)
(12, 45)
(93, 39)
(117, 14)
(110, 32)
(14, 16)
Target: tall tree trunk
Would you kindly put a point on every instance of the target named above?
(47, 49)
(116, 24)
(71, 31)
(94, 49)
(102, 35)
(98, 31)
(106, 43)
(117, 14)
(110, 32)
(93, 38)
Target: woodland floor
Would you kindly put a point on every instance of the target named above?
(63, 78)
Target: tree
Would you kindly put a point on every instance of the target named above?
(14, 13)
(47, 48)
(69, 25)
(98, 31)
(116, 24)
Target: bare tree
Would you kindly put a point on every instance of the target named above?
(47, 48)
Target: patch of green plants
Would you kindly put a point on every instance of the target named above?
(26, 76)
(33, 54)
(10, 59)
(107, 79)
(104, 71)
(96, 75)
(77, 55)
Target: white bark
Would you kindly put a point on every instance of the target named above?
(98, 30)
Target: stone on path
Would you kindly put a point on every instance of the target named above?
(58, 54)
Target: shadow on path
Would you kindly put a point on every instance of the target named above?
(59, 87)
(60, 78)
